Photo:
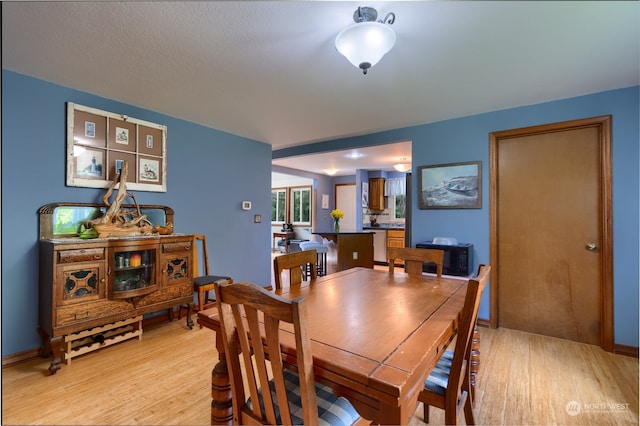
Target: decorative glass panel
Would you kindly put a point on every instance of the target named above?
(80, 283)
(177, 268)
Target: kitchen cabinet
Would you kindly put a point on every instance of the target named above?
(395, 238)
(376, 194)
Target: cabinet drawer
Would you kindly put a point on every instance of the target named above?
(169, 293)
(184, 246)
(395, 233)
(67, 315)
(80, 255)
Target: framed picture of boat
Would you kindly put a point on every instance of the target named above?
(450, 186)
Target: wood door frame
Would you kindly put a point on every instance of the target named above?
(603, 124)
(335, 191)
(335, 198)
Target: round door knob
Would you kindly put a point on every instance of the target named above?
(591, 246)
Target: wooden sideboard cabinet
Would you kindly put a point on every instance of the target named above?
(87, 284)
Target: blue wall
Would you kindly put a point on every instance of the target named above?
(467, 139)
(209, 174)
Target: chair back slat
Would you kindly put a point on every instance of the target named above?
(294, 262)
(273, 345)
(414, 258)
(200, 240)
(243, 328)
(246, 312)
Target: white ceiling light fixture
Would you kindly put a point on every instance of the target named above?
(402, 167)
(367, 41)
(354, 155)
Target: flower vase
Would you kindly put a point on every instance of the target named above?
(336, 226)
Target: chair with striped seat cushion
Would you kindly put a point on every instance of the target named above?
(247, 311)
(332, 410)
(448, 385)
(439, 377)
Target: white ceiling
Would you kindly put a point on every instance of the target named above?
(341, 163)
(269, 70)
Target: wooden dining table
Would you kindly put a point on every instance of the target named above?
(375, 337)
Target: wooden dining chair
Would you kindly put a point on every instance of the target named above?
(247, 311)
(448, 385)
(414, 259)
(298, 263)
(202, 284)
(473, 351)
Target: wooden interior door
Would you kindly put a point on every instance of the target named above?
(551, 231)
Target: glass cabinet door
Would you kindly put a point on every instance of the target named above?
(176, 263)
(81, 282)
(134, 273)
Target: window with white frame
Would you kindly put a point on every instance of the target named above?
(291, 205)
(278, 205)
(301, 206)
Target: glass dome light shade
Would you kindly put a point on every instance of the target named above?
(365, 42)
(402, 167)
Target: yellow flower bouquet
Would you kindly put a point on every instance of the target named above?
(336, 215)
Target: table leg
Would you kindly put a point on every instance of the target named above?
(475, 362)
(395, 415)
(221, 405)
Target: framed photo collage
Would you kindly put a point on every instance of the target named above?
(99, 142)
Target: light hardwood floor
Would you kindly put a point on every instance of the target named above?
(165, 379)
